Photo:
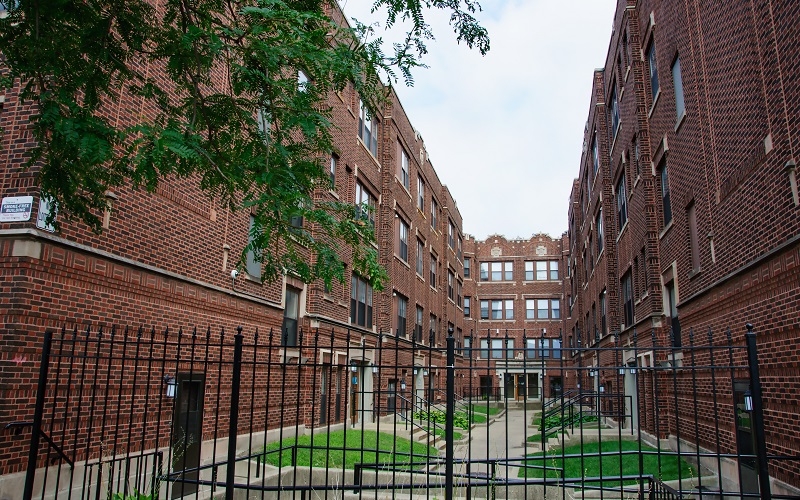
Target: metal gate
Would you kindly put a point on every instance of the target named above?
(113, 418)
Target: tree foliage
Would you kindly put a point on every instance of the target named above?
(212, 93)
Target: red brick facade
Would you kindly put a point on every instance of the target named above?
(701, 159)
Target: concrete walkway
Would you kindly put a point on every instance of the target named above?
(503, 437)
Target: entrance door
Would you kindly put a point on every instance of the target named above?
(533, 385)
(187, 431)
(631, 397)
(338, 380)
(354, 396)
(391, 400)
(522, 389)
(323, 394)
(745, 443)
(509, 386)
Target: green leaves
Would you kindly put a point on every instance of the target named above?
(127, 95)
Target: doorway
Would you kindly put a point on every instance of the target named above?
(187, 432)
(745, 441)
(391, 400)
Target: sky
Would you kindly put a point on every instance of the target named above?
(505, 131)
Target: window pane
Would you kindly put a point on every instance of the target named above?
(497, 348)
(497, 309)
(497, 271)
(541, 270)
(509, 271)
(553, 269)
(484, 309)
(651, 59)
(530, 309)
(677, 80)
(542, 308)
(509, 309)
(529, 271)
(484, 271)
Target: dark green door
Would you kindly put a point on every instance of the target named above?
(187, 433)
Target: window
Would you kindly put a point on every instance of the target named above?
(501, 271)
(691, 217)
(530, 348)
(497, 348)
(677, 82)
(544, 348)
(530, 309)
(450, 286)
(434, 264)
(554, 270)
(368, 129)
(484, 266)
(622, 203)
(603, 321)
(627, 299)
(672, 312)
(421, 194)
(594, 323)
(467, 264)
(500, 309)
(485, 348)
(420, 256)
(458, 292)
(542, 308)
(291, 313)
(509, 348)
(403, 173)
(253, 262)
(643, 290)
(595, 161)
(332, 171)
(614, 110)
(468, 347)
(460, 244)
(451, 239)
(432, 328)
(402, 306)
(626, 48)
(541, 270)
(402, 248)
(651, 61)
(296, 221)
(556, 348)
(600, 236)
(467, 301)
(418, 326)
(365, 205)
(636, 155)
(434, 214)
(665, 202)
(360, 302)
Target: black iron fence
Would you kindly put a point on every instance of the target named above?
(210, 414)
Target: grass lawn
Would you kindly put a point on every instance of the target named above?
(611, 463)
(460, 418)
(329, 449)
(439, 432)
(491, 410)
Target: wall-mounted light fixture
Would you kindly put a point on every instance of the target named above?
(425, 372)
(622, 371)
(374, 368)
(172, 385)
(416, 371)
(403, 385)
(354, 366)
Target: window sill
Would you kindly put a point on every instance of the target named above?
(665, 230)
(622, 231)
(420, 278)
(635, 183)
(403, 186)
(372, 156)
(400, 259)
(655, 101)
(614, 141)
(253, 279)
(695, 272)
(333, 193)
(680, 121)
(627, 72)
(434, 289)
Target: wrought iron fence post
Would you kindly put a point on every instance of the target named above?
(758, 414)
(38, 411)
(230, 473)
(450, 413)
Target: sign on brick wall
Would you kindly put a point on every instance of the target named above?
(16, 208)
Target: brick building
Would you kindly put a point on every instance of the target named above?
(164, 260)
(684, 218)
(513, 296)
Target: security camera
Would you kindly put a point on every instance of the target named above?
(234, 274)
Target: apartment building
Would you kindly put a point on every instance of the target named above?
(684, 220)
(513, 302)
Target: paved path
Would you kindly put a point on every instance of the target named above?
(503, 437)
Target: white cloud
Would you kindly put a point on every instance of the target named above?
(505, 131)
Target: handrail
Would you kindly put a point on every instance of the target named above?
(414, 408)
(18, 426)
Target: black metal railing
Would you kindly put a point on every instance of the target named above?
(209, 414)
